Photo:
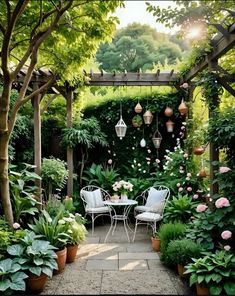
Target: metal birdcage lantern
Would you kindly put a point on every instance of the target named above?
(148, 117)
(121, 127)
(170, 126)
(157, 137)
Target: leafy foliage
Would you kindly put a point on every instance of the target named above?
(12, 278)
(34, 255)
(215, 271)
(168, 232)
(182, 251)
(179, 209)
(137, 46)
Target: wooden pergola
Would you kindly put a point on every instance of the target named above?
(222, 43)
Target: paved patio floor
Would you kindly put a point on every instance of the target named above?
(117, 267)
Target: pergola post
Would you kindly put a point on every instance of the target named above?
(37, 143)
(69, 122)
(214, 153)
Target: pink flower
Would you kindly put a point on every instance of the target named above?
(110, 161)
(227, 248)
(222, 202)
(183, 127)
(189, 188)
(16, 225)
(224, 170)
(226, 234)
(187, 178)
(201, 208)
(180, 189)
(178, 184)
(195, 196)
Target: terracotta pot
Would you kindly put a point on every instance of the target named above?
(198, 150)
(35, 283)
(202, 173)
(183, 109)
(155, 243)
(181, 270)
(168, 111)
(71, 253)
(202, 290)
(61, 259)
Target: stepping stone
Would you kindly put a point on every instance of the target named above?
(140, 255)
(102, 265)
(132, 264)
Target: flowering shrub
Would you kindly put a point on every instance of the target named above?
(122, 187)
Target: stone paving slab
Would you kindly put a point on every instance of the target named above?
(133, 264)
(140, 255)
(108, 255)
(137, 282)
(156, 263)
(102, 265)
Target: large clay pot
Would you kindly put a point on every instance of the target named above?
(181, 270)
(61, 259)
(35, 283)
(155, 243)
(71, 253)
(202, 290)
(198, 150)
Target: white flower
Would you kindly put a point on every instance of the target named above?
(189, 174)
(61, 222)
(71, 215)
(144, 171)
(68, 219)
(132, 166)
(184, 123)
(134, 160)
(139, 165)
(77, 214)
(16, 225)
(157, 161)
(148, 162)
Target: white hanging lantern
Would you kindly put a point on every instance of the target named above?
(170, 126)
(121, 127)
(148, 117)
(157, 137)
(143, 143)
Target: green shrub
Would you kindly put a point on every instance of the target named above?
(181, 251)
(169, 232)
(179, 209)
(54, 174)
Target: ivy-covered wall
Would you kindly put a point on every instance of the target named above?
(127, 155)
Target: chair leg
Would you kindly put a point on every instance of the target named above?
(135, 231)
(92, 219)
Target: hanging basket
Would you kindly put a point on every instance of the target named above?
(148, 117)
(183, 109)
(137, 121)
(168, 111)
(157, 138)
(138, 108)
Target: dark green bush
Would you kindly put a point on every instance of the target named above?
(181, 251)
(169, 232)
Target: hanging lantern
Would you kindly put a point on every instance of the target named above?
(202, 173)
(138, 108)
(120, 128)
(157, 138)
(198, 150)
(143, 143)
(168, 111)
(183, 109)
(148, 117)
(170, 126)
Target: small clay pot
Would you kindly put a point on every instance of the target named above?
(61, 259)
(71, 253)
(202, 173)
(181, 270)
(202, 291)
(183, 109)
(198, 150)
(156, 243)
(138, 108)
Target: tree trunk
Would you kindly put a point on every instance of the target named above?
(82, 166)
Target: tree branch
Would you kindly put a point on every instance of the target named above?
(2, 29)
(21, 102)
(8, 10)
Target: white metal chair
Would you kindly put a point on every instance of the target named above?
(93, 198)
(153, 207)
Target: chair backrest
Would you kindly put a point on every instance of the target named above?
(105, 194)
(145, 193)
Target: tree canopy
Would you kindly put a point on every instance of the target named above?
(138, 46)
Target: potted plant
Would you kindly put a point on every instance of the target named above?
(122, 187)
(180, 252)
(137, 121)
(11, 277)
(155, 242)
(214, 271)
(55, 233)
(37, 258)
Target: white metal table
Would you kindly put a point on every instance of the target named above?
(126, 204)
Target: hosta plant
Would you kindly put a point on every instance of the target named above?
(34, 255)
(11, 277)
(215, 271)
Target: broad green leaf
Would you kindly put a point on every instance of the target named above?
(215, 290)
(35, 270)
(229, 288)
(5, 284)
(18, 286)
(15, 250)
